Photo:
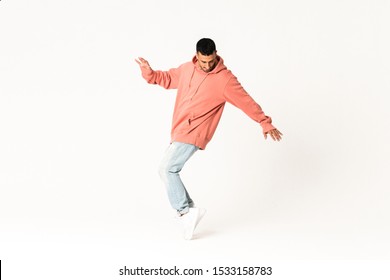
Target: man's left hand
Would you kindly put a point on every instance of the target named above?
(276, 135)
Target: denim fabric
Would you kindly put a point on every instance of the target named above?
(175, 157)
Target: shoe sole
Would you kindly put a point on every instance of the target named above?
(201, 213)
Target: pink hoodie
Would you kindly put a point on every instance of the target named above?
(201, 99)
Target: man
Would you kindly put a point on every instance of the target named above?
(203, 87)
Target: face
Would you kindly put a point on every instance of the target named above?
(207, 62)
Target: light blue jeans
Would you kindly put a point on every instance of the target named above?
(174, 159)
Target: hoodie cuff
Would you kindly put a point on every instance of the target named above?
(267, 125)
(147, 74)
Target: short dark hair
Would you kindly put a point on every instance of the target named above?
(205, 46)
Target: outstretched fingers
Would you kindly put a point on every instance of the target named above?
(143, 63)
(275, 134)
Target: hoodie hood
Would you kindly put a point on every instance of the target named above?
(218, 68)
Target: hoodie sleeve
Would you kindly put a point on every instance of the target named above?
(166, 79)
(235, 94)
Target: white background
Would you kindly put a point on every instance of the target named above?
(82, 134)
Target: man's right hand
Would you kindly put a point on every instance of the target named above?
(143, 63)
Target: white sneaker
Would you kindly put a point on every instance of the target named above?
(202, 212)
(190, 220)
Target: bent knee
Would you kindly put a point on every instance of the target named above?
(167, 169)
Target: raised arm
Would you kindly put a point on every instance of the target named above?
(166, 79)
